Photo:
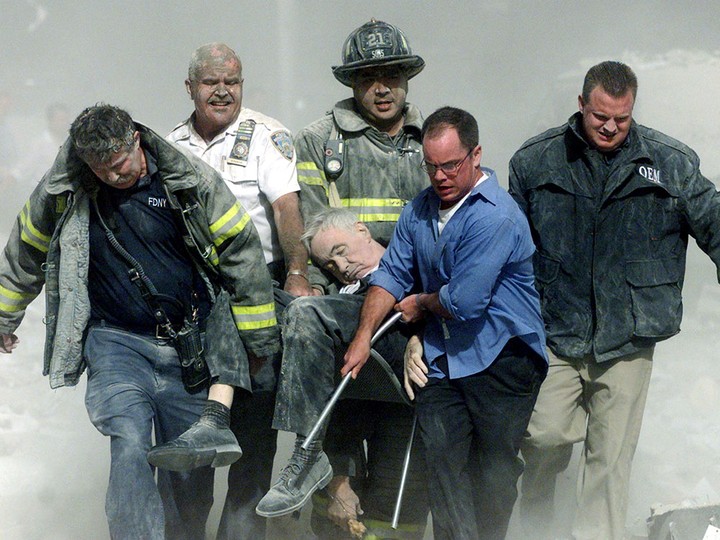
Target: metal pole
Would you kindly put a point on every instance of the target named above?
(326, 411)
(385, 326)
(406, 466)
(341, 387)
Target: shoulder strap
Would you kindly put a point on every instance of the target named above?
(334, 133)
(334, 163)
(138, 276)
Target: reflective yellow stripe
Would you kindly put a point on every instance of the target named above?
(230, 224)
(308, 173)
(254, 317)
(12, 301)
(386, 528)
(369, 210)
(213, 258)
(60, 204)
(29, 234)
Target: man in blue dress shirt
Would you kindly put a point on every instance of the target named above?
(461, 258)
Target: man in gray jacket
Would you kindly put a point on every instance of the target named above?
(116, 187)
(365, 154)
(611, 204)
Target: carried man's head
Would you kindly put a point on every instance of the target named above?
(214, 84)
(606, 104)
(377, 64)
(106, 139)
(341, 244)
(452, 153)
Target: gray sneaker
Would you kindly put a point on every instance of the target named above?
(300, 478)
(202, 444)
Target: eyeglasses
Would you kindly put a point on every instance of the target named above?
(450, 168)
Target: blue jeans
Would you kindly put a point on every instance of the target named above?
(472, 428)
(134, 384)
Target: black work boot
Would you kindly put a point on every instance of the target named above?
(208, 441)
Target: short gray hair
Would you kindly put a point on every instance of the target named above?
(202, 55)
(101, 131)
(329, 218)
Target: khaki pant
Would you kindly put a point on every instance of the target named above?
(601, 405)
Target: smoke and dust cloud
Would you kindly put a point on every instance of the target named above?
(517, 65)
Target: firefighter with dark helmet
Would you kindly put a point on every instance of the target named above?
(376, 43)
(364, 155)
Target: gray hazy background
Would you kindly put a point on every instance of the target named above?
(516, 65)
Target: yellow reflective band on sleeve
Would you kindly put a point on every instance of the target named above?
(369, 210)
(254, 317)
(60, 204)
(29, 234)
(213, 257)
(230, 224)
(12, 301)
(308, 173)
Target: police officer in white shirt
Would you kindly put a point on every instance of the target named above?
(255, 155)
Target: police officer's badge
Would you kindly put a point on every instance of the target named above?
(283, 142)
(240, 150)
(241, 146)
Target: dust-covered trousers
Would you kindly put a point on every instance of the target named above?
(600, 404)
(375, 472)
(135, 384)
(251, 422)
(316, 333)
(472, 428)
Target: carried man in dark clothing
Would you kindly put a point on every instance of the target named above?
(316, 332)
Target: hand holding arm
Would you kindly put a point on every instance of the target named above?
(410, 308)
(413, 307)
